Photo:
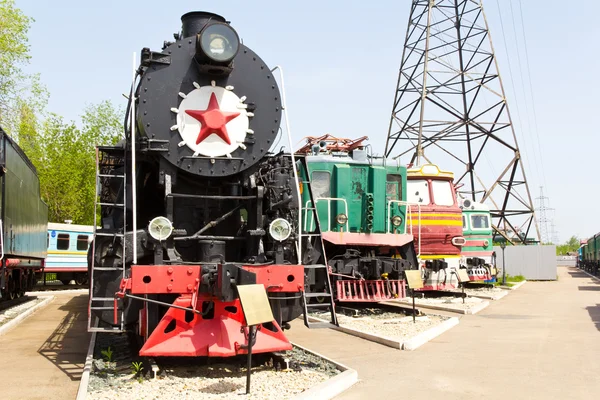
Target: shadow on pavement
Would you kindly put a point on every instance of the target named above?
(576, 273)
(594, 312)
(589, 288)
(67, 346)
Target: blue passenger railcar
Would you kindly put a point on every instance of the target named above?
(67, 252)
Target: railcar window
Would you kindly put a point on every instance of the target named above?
(393, 187)
(62, 242)
(82, 242)
(418, 191)
(442, 193)
(480, 221)
(321, 181)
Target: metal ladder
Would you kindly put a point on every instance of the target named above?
(105, 163)
(314, 239)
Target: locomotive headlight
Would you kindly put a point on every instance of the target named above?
(280, 229)
(219, 42)
(341, 219)
(396, 220)
(160, 228)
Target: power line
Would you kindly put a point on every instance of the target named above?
(535, 124)
(512, 82)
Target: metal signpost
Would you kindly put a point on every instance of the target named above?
(414, 281)
(256, 308)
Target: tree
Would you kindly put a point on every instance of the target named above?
(569, 246)
(16, 88)
(64, 156)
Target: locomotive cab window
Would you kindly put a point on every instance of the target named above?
(320, 182)
(480, 221)
(82, 242)
(418, 191)
(442, 193)
(393, 187)
(63, 241)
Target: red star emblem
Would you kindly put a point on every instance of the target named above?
(213, 120)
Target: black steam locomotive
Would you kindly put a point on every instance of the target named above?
(193, 204)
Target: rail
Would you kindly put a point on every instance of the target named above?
(329, 200)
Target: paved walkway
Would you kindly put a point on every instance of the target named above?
(541, 341)
(43, 357)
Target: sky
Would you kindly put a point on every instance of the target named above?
(341, 60)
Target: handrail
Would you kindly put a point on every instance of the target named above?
(329, 200)
(133, 180)
(409, 212)
(289, 134)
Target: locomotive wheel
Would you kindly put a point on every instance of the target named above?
(81, 279)
(11, 289)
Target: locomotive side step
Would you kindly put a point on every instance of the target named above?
(321, 325)
(109, 234)
(111, 176)
(318, 305)
(112, 204)
(317, 295)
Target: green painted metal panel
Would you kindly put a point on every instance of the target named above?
(354, 182)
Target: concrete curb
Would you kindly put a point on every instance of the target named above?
(430, 334)
(473, 310)
(516, 285)
(406, 344)
(87, 369)
(21, 317)
(333, 386)
(66, 291)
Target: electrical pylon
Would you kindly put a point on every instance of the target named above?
(450, 108)
(545, 235)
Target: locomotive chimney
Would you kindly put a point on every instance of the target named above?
(193, 22)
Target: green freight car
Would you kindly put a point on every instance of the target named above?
(23, 220)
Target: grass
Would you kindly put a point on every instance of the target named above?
(509, 279)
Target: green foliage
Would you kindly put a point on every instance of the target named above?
(17, 89)
(64, 156)
(570, 246)
(108, 354)
(137, 367)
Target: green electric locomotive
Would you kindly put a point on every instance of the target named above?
(360, 201)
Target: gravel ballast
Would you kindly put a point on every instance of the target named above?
(195, 378)
(11, 313)
(449, 302)
(389, 325)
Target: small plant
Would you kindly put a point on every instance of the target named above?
(108, 354)
(137, 367)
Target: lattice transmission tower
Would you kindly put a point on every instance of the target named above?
(546, 236)
(450, 109)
